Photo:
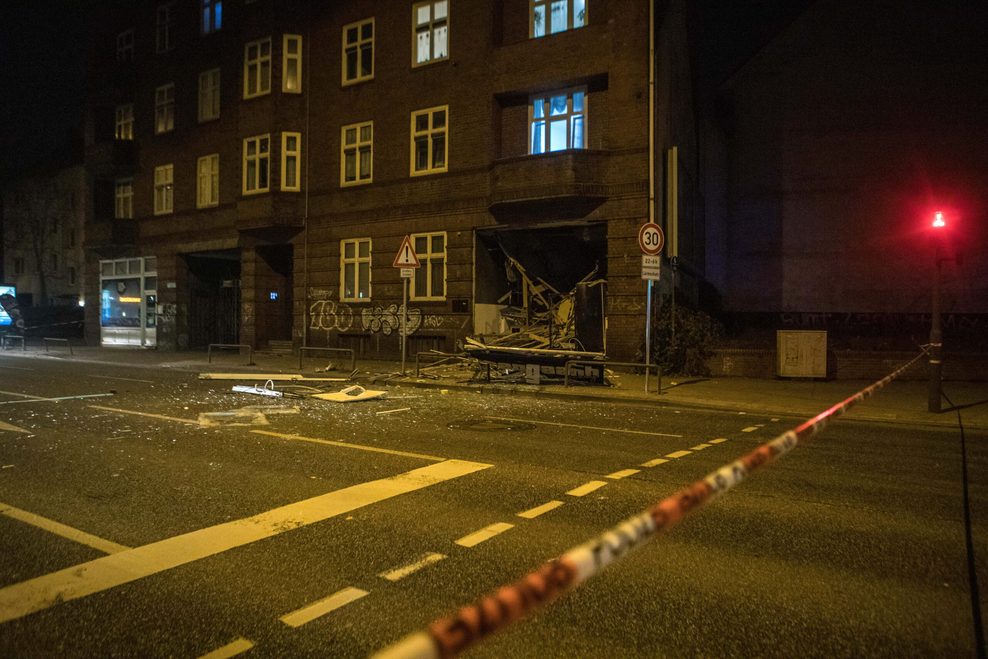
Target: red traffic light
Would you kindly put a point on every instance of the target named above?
(938, 221)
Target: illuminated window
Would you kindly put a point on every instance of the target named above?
(552, 16)
(165, 23)
(358, 51)
(208, 181)
(123, 125)
(209, 95)
(430, 31)
(291, 155)
(164, 108)
(557, 121)
(355, 270)
(429, 143)
(357, 154)
(163, 189)
(256, 163)
(212, 15)
(257, 68)
(123, 199)
(291, 64)
(429, 281)
(125, 46)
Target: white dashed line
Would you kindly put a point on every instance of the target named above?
(678, 454)
(484, 534)
(230, 649)
(719, 440)
(402, 572)
(322, 607)
(654, 462)
(586, 488)
(699, 447)
(617, 475)
(532, 513)
(749, 429)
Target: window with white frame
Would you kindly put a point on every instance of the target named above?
(357, 154)
(257, 68)
(257, 153)
(125, 46)
(123, 199)
(164, 177)
(557, 121)
(429, 281)
(208, 181)
(429, 143)
(552, 16)
(123, 124)
(291, 64)
(430, 29)
(355, 270)
(165, 25)
(291, 156)
(358, 51)
(209, 95)
(211, 12)
(164, 108)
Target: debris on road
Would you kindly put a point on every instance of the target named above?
(276, 377)
(267, 389)
(351, 394)
(245, 416)
(400, 409)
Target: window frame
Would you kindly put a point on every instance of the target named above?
(209, 95)
(546, 5)
(431, 132)
(260, 157)
(296, 155)
(164, 108)
(355, 147)
(164, 22)
(123, 122)
(262, 61)
(125, 45)
(164, 189)
(287, 59)
(208, 181)
(430, 28)
(570, 114)
(426, 258)
(357, 48)
(123, 199)
(357, 261)
(210, 16)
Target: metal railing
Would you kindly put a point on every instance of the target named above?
(48, 340)
(238, 346)
(304, 349)
(12, 337)
(585, 362)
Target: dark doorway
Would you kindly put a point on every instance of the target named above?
(214, 297)
(274, 294)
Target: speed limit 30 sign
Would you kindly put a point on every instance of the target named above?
(651, 239)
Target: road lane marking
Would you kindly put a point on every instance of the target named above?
(678, 454)
(13, 428)
(110, 377)
(532, 513)
(749, 429)
(654, 462)
(193, 422)
(700, 447)
(573, 425)
(62, 530)
(617, 475)
(26, 597)
(402, 572)
(15, 393)
(230, 649)
(719, 440)
(36, 399)
(322, 607)
(586, 488)
(17, 368)
(484, 534)
(358, 447)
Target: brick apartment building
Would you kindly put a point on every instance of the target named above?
(257, 164)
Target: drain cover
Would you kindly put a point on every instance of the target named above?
(490, 425)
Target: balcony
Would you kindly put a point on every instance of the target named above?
(565, 182)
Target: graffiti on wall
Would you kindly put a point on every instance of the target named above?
(329, 315)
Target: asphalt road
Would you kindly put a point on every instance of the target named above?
(130, 528)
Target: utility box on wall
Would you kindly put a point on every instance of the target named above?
(801, 354)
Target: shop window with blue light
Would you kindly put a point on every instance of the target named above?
(552, 16)
(557, 121)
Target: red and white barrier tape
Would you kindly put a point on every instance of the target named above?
(448, 637)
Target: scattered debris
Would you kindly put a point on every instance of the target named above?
(267, 389)
(245, 416)
(276, 377)
(351, 394)
(400, 409)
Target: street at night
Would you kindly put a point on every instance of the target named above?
(130, 528)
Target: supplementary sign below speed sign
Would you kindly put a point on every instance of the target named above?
(651, 239)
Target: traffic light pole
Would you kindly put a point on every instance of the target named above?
(936, 340)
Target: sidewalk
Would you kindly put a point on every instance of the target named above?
(899, 402)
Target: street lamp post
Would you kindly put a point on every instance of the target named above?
(936, 333)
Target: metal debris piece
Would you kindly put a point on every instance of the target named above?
(351, 394)
(267, 389)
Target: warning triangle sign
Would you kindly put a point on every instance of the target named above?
(406, 257)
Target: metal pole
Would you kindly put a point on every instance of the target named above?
(936, 340)
(648, 332)
(404, 320)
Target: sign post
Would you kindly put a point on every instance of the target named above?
(407, 261)
(650, 241)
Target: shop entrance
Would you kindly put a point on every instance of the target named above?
(214, 297)
(274, 294)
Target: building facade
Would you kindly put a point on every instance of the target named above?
(256, 166)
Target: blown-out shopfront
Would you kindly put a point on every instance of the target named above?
(128, 300)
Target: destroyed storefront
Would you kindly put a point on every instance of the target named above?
(540, 297)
